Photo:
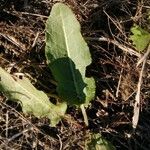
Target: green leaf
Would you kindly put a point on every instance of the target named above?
(99, 143)
(68, 56)
(32, 101)
(140, 37)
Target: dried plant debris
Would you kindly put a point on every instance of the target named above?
(22, 46)
(16, 39)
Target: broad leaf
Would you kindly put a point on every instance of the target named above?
(32, 101)
(140, 37)
(99, 143)
(68, 56)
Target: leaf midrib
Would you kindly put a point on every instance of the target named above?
(69, 55)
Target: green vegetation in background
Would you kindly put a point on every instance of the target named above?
(98, 142)
(141, 37)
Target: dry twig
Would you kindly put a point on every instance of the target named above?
(137, 98)
(136, 112)
(119, 45)
(144, 57)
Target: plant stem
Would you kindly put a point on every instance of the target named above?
(84, 114)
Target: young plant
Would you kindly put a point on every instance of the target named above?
(68, 56)
(98, 142)
(140, 38)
